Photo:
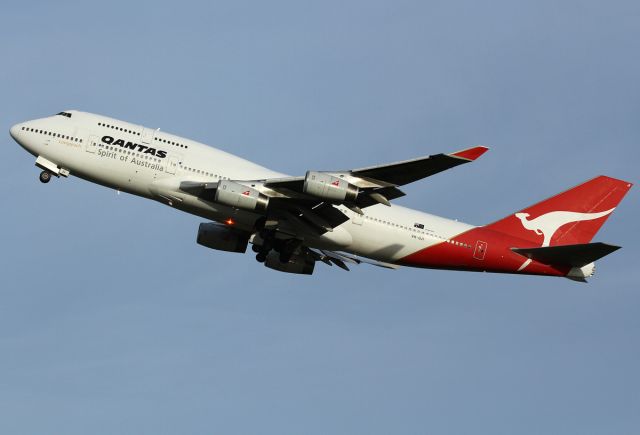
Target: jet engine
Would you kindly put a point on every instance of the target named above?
(301, 263)
(220, 237)
(328, 187)
(240, 196)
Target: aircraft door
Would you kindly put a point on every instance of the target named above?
(480, 251)
(357, 218)
(92, 144)
(173, 161)
(146, 136)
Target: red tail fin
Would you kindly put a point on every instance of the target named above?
(571, 217)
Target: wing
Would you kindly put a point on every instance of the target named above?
(379, 184)
(309, 203)
(291, 211)
(398, 173)
(408, 171)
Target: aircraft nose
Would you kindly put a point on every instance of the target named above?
(14, 132)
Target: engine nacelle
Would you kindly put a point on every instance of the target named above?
(299, 263)
(220, 237)
(328, 187)
(240, 196)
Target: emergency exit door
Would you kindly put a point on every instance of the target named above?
(480, 251)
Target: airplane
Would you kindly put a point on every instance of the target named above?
(341, 217)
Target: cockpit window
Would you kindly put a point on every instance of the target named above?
(67, 114)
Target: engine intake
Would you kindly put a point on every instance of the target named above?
(328, 187)
(220, 237)
(240, 196)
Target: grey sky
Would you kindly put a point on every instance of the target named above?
(112, 319)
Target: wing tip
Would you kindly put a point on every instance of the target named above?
(470, 154)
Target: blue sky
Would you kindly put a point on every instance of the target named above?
(112, 319)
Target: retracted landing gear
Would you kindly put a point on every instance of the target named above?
(266, 242)
(45, 176)
(287, 249)
(284, 248)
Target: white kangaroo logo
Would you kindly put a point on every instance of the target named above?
(547, 224)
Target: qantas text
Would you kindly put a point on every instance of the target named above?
(133, 146)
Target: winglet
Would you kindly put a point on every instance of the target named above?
(470, 154)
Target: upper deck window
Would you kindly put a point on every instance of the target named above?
(67, 114)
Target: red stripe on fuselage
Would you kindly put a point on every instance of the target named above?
(489, 251)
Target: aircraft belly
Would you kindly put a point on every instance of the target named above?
(109, 172)
(383, 243)
(240, 219)
(338, 239)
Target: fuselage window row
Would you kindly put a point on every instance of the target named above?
(125, 130)
(177, 144)
(200, 171)
(412, 229)
(49, 133)
(120, 150)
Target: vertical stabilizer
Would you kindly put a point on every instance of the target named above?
(571, 217)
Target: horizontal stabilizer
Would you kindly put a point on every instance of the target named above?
(568, 255)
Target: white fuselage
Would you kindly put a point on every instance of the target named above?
(155, 163)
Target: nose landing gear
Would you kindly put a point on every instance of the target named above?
(45, 176)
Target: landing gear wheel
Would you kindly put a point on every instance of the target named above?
(45, 176)
(261, 257)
